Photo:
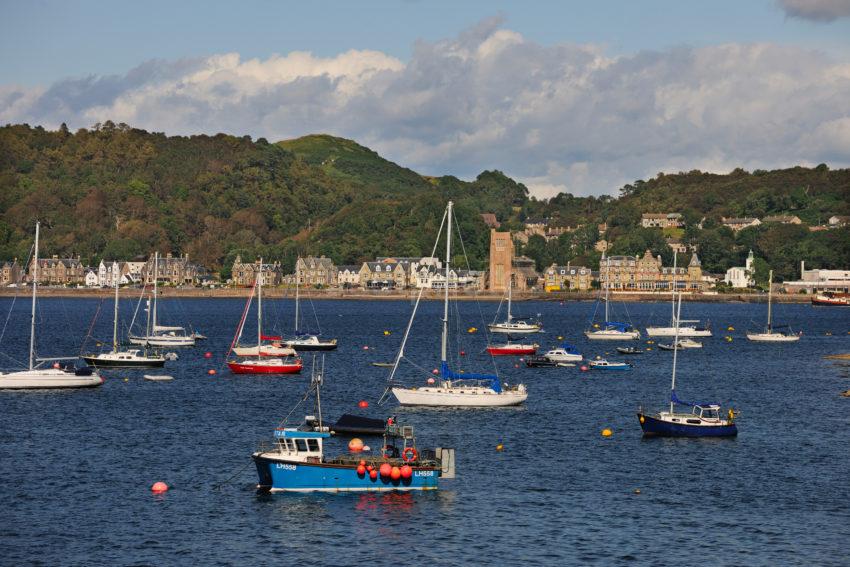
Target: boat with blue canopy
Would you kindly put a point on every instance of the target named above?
(611, 330)
(704, 419)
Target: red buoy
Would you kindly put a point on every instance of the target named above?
(395, 473)
(207, 355)
(211, 371)
(361, 470)
(430, 380)
(386, 470)
(406, 471)
(373, 474)
(363, 404)
(463, 353)
(435, 372)
(362, 463)
(159, 487)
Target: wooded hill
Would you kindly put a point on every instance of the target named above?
(117, 192)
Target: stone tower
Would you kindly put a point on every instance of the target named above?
(501, 258)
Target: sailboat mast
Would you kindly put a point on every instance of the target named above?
(607, 284)
(445, 342)
(115, 319)
(769, 293)
(34, 286)
(260, 310)
(675, 352)
(673, 318)
(155, 280)
(297, 296)
(510, 290)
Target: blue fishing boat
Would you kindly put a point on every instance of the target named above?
(602, 364)
(295, 462)
(703, 419)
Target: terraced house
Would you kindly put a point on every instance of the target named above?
(10, 273)
(244, 274)
(320, 271)
(646, 274)
(174, 270)
(568, 278)
(59, 271)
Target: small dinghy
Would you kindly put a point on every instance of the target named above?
(383, 365)
(539, 361)
(158, 377)
(629, 350)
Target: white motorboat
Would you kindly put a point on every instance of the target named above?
(681, 344)
(45, 378)
(123, 358)
(452, 389)
(512, 325)
(160, 335)
(770, 333)
(611, 330)
(564, 353)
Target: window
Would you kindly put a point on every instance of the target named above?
(313, 445)
(301, 444)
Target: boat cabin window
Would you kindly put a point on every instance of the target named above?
(301, 444)
(313, 445)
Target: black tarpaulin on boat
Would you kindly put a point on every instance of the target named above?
(359, 425)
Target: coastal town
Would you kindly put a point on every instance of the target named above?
(644, 273)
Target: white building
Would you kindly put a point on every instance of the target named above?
(741, 276)
(91, 278)
(818, 281)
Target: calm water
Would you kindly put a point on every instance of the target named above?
(76, 466)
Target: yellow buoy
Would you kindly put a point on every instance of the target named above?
(607, 432)
(730, 328)
(471, 330)
(500, 447)
(637, 490)
(126, 379)
(596, 325)
(560, 338)
(386, 333)
(728, 339)
(641, 419)
(648, 348)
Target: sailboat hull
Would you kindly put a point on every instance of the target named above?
(265, 367)
(117, 363)
(683, 332)
(654, 427)
(471, 396)
(49, 378)
(612, 335)
(772, 338)
(278, 475)
(513, 329)
(311, 345)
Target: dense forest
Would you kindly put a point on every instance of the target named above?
(113, 191)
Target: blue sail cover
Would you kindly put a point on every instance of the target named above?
(569, 347)
(447, 374)
(617, 325)
(676, 400)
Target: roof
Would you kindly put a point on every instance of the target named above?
(780, 218)
(490, 220)
(742, 220)
(314, 263)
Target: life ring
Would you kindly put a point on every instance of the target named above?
(409, 454)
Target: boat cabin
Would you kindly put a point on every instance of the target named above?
(707, 413)
(296, 444)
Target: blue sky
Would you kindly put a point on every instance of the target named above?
(565, 96)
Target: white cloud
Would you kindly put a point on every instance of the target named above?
(816, 10)
(561, 117)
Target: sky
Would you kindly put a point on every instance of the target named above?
(579, 97)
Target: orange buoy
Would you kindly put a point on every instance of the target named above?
(386, 470)
(207, 355)
(363, 404)
(211, 371)
(355, 445)
(370, 468)
(159, 487)
(361, 470)
(406, 471)
(373, 474)
(395, 473)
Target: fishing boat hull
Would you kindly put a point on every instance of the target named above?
(511, 350)
(654, 427)
(612, 335)
(683, 332)
(49, 378)
(279, 475)
(838, 300)
(472, 396)
(772, 338)
(614, 367)
(265, 367)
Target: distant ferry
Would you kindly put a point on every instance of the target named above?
(831, 299)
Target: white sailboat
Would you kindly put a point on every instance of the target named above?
(156, 334)
(306, 341)
(453, 389)
(770, 334)
(512, 326)
(689, 329)
(612, 330)
(123, 358)
(44, 378)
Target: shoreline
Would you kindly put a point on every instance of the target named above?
(361, 295)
